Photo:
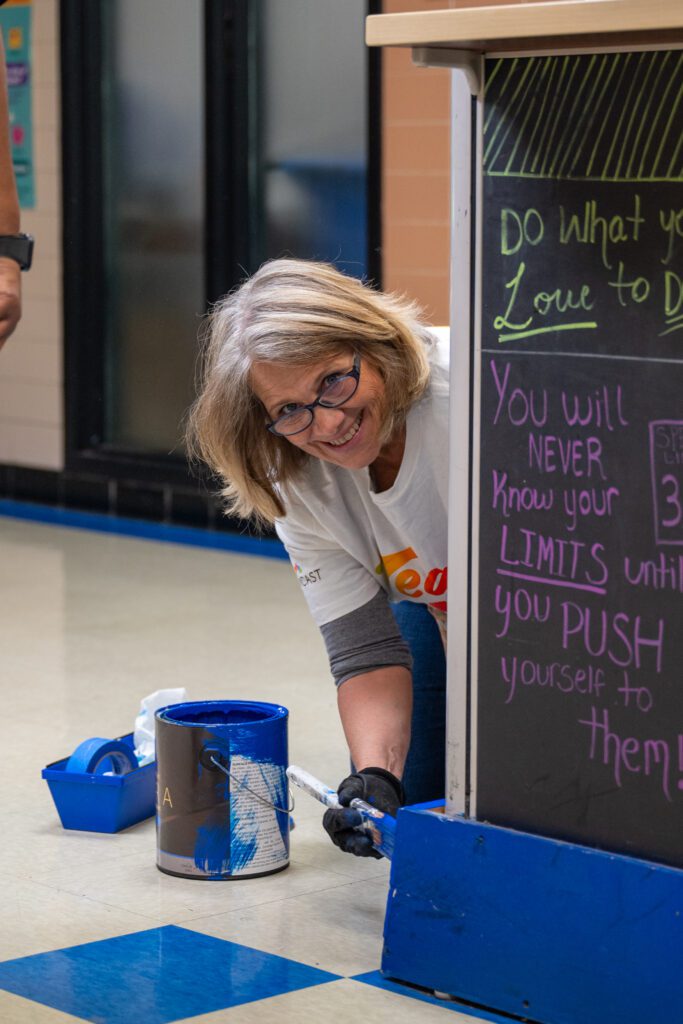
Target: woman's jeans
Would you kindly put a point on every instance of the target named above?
(424, 777)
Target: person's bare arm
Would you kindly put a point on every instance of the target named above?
(375, 710)
(10, 272)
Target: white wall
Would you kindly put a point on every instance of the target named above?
(31, 370)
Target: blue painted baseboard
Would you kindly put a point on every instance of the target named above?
(546, 931)
(238, 543)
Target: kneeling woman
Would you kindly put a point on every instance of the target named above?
(324, 409)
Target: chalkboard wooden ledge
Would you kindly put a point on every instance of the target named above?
(534, 27)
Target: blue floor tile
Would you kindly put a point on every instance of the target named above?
(154, 977)
(377, 980)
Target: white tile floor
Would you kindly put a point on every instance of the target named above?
(90, 624)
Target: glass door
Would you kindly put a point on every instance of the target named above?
(201, 137)
(153, 172)
(313, 131)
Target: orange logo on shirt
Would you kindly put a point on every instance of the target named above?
(409, 581)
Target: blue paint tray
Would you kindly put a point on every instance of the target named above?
(102, 803)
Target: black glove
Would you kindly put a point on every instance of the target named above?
(377, 787)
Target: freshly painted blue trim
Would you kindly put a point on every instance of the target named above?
(238, 543)
(530, 926)
(375, 979)
(430, 805)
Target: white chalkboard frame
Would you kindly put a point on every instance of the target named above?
(462, 515)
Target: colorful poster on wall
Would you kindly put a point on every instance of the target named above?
(15, 23)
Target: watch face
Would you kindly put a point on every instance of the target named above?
(17, 247)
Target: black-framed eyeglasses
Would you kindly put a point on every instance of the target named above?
(337, 388)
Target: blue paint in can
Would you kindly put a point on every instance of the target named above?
(222, 794)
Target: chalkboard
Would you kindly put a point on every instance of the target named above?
(579, 659)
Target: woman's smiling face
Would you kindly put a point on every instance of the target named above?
(348, 435)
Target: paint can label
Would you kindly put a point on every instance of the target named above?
(256, 841)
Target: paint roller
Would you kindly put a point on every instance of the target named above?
(379, 826)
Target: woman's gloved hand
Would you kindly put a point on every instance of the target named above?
(376, 787)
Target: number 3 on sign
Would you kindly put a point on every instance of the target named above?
(671, 502)
(666, 464)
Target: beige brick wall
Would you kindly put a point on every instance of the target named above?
(416, 174)
(31, 370)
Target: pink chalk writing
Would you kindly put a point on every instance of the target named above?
(552, 557)
(520, 605)
(629, 754)
(603, 408)
(567, 445)
(665, 572)
(508, 498)
(520, 405)
(641, 695)
(593, 501)
(666, 474)
(616, 635)
(571, 456)
(552, 583)
(553, 675)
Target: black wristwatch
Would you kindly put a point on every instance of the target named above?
(19, 248)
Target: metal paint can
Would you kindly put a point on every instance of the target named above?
(222, 794)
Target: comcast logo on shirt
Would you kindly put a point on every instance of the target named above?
(304, 577)
(409, 581)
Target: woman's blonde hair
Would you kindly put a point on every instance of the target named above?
(293, 312)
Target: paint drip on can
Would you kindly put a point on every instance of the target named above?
(222, 794)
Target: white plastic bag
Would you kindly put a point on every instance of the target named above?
(143, 734)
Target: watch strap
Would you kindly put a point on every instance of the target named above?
(17, 247)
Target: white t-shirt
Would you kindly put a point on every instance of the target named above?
(345, 541)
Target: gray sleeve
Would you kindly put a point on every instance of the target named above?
(365, 639)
